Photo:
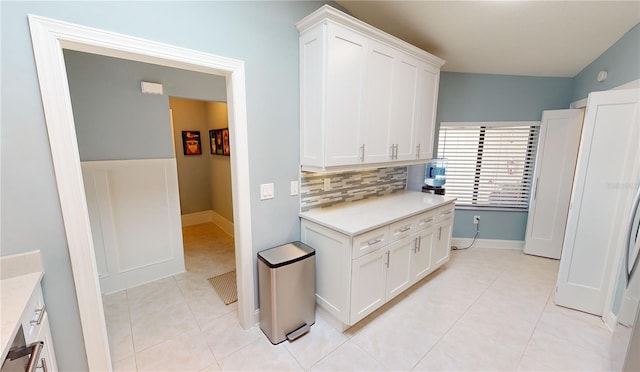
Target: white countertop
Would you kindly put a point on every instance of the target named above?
(353, 218)
(15, 293)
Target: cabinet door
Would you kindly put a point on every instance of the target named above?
(421, 259)
(47, 360)
(442, 243)
(345, 81)
(368, 284)
(377, 102)
(428, 81)
(403, 107)
(398, 266)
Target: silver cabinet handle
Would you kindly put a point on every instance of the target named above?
(392, 149)
(447, 212)
(396, 156)
(36, 349)
(427, 220)
(406, 228)
(362, 152)
(388, 258)
(43, 363)
(40, 315)
(376, 241)
(632, 266)
(419, 243)
(439, 232)
(418, 151)
(415, 245)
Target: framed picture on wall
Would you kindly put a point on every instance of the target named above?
(191, 142)
(212, 141)
(219, 139)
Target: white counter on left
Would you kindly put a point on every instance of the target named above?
(15, 293)
(20, 275)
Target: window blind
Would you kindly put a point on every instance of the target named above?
(489, 164)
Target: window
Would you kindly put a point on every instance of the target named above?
(489, 164)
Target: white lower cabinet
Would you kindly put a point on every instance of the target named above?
(35, 325)
(442, 236)
(355, 275)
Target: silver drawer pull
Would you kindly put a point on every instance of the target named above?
(404, 229)
(448, 212)
(41, 313)
(44, 365)
(372, 242)
(426, 220)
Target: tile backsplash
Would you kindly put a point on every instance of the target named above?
(349, 186)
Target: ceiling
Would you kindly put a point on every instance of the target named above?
(533, 38)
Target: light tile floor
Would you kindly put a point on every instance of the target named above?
(487, 309)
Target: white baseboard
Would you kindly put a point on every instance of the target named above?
(196, 218)
(489, 243)
(208, 216)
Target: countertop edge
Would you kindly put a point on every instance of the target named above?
(368, 203)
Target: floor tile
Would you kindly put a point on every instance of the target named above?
(261, 355)
(486, 309)
(185, 352)
(225, 336)
(321, 340)
(348, 357)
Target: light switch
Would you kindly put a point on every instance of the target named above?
(266, 191)
(294, 188)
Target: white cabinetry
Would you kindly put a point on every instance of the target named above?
(35, 325)
(356, 274)
(442, 235)
(366, 97)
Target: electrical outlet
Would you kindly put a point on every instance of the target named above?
(476, 220)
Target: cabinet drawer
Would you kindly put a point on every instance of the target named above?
(402, 228)
(33, 316)
(370, 241)
(425, 220)
(444, 213)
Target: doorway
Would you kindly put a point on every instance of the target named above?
(49, 38)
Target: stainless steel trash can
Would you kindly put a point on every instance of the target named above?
(287, 289)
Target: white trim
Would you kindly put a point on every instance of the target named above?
(488, 243)
(491, 123)
(197, 218)
(49, 37)
(581, 103)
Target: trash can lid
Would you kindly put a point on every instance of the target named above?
(285, 254)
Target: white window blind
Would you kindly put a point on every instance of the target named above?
(489, 164)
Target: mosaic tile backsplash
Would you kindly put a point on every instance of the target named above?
(349, 186)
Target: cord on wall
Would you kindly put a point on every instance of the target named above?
(477, 223)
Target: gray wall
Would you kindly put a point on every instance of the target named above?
(194, 177)
(478, 97)
(262, 34)
(220, 165)
(621, 61)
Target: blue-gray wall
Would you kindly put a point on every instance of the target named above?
(262, 34)
(621, 61)
(481, 97)
(114, 119)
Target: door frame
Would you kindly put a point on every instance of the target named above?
(49, 38)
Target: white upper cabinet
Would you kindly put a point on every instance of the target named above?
(366, 97)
